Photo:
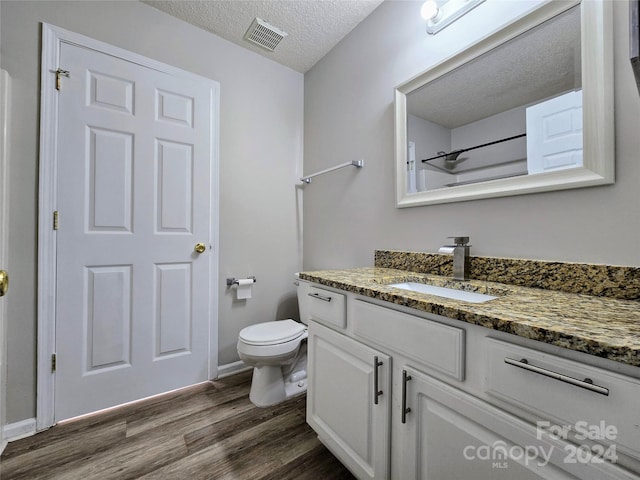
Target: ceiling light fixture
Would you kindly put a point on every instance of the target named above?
(429, 9)
(440, 13)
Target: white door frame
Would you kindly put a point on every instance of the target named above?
(5, 92)
(52, 38)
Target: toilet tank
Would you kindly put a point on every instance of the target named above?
(303, 299)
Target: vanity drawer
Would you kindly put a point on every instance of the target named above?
(437, 346)
(327, 307)
(567, 394)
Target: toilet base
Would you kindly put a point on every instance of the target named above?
(269, 386)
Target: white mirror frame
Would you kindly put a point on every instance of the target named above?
(598, 111)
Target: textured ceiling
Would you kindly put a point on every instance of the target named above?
(314, 26)
(538, 64)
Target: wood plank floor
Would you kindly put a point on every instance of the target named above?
(210, 431)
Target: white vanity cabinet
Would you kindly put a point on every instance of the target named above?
(447, 434)
(596, 411)
(348, 400)
(440, 432)
(421, 397)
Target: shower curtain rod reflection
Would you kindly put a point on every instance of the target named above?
(454, 154)
(354, 163)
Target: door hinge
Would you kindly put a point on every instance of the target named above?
(60, 73)
(54, 362)
(56, 220)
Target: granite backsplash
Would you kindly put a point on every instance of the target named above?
(590, 279)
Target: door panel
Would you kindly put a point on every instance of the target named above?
(134, 196)
(111, 92)
(174, 182)
(108, 323)
(174, 108)
(110, 181)
(173, 314)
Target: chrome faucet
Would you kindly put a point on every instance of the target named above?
(460, 253)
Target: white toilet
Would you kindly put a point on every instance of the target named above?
(278, 352)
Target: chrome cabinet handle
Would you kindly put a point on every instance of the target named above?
(405, 409)
(587, 383)
(319, 297)
(376, 393)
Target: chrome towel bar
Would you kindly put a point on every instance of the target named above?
(354, 163)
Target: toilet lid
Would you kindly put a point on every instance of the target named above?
(269, 333)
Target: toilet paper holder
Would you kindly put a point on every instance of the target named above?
(233, 281)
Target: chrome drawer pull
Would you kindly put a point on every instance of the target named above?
(587, 383)
(405, 409)
(376, 393)
(319, 297)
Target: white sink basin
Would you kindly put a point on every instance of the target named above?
(451, 293)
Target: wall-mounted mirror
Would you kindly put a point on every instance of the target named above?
(527, 109)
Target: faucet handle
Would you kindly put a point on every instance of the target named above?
(460, 240)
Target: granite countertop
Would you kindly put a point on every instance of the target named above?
(601, 326)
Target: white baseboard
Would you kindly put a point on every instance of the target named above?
(232, 369)
(18, 430)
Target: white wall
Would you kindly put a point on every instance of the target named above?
(430, 138)
(510, 156)
(261, 118)
(502, 125)
(349, 115)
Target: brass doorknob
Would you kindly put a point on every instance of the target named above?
(4, 283)
(199, 248)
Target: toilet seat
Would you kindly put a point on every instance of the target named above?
(271, 333)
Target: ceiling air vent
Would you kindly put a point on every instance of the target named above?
(263, 34)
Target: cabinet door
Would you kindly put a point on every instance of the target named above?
(448, 434)
(350, 415)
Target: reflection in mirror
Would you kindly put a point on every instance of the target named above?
(526, 109)
(515, 110)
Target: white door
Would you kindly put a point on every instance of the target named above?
(134, 198)
(554, 133)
